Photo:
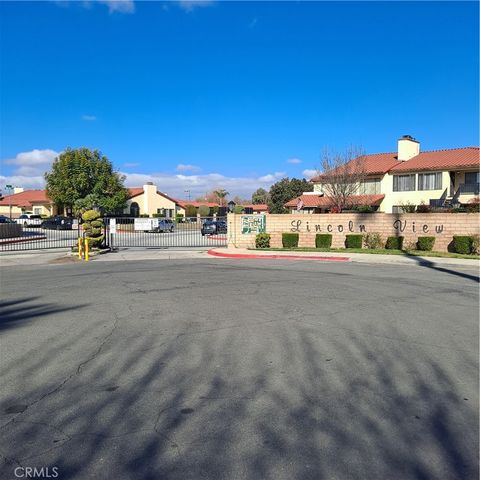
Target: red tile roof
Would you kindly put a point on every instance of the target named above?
(26, 199)
(184, 203)
(258, 207)
(133, 192)
(320, 201)
(454, 158)
(374, 164)
(468, 157)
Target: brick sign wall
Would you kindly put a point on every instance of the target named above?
(440, 225)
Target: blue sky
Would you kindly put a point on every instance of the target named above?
(231, 94)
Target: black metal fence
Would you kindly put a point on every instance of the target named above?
(165, 233)
(35, 238)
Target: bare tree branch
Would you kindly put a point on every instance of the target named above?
(342, 175)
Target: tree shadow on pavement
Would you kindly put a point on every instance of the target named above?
(210, 403)
(19, 312)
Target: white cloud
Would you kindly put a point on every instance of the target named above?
(28, 182)
(121, 6)
(187, 168)
(175, 185)
(294, 161)
(33, 157)
(89, 118)
(309, 173)
(189, 5)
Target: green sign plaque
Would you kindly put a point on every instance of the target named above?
(253, 224)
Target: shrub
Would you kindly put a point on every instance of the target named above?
(289, 240)
(95, 242)
(394, 243)
(423, 208)
(353, 241)
(158, 215)
(96, 223)
(90, 215)
(262, 240)
(365, 209)
(425, 244)
(476, 244)
(459, 210)
(473, 208)
(373, 241)
(204, 210)
(323, 240)
(408, 207)
(462, 244)
(144, 215)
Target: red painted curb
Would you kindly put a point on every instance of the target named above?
(277, 257)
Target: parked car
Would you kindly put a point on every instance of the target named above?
(214, 227)
(165, 225)
(57, 223)
(29, 220)
(4, 219)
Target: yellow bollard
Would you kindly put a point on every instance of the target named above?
(86, 249)
(80, 247)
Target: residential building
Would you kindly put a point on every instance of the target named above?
(147, 200)
(27, 201)
(439, 178)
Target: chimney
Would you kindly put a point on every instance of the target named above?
(149, 190)
(408, 148)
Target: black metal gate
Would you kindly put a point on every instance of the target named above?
(37, 238)
(166, 233)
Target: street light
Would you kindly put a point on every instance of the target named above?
(10, 189)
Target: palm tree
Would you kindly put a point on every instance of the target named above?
(221, 194)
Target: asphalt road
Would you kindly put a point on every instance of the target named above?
(223, 369)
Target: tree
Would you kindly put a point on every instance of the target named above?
(221, 196)
(190, 211)
(204, 210)
(284, 190)
(238, 200)
(342, 175)
(210, 197)
(83, 179)
(260, 196)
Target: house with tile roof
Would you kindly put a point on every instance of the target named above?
(27, 201)
(439, 178)
(147, 200)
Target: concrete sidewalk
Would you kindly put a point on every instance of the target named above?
(243, 253)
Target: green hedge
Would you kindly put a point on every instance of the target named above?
(394, 243)
(353, 241)
(262, 240)
(323, 240)
(463, 244)
(289, 240)
(425, 244)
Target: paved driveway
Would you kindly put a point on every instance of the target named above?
(224, 369)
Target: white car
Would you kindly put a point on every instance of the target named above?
(29, 220)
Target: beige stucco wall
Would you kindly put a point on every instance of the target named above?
(44, 209)
(415, 197)
(150, 201)
(441, 225)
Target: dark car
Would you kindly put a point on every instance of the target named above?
(214, 227)
(57, 223)
(165, 225)
(4, 219)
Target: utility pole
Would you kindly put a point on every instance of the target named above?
(187, 191)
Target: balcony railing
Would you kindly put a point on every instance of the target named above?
(468, 188)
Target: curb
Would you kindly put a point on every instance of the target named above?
(277, 257)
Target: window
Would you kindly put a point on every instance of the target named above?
(369, 187)
(37, 210)
(403, 183)
(430, 181)
(472, 178)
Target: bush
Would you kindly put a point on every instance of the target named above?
(95, 242)
(394, 243)
(353, 241)
(289, 240)
(408, 207)
(425, 244)
(90, 215)
(423, 208)
(462, 244)
(323, 240)
(262, 240)
(373, 241)
(364, 209)
(476, 244)
(459, 210)
(204, 210)
(144, 215)
(97, 223)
